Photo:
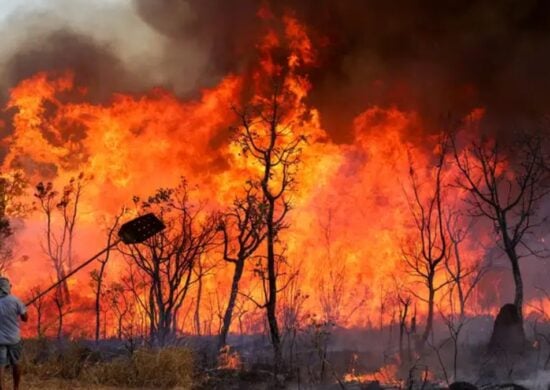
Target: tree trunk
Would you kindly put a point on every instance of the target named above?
(98, 302)
(518, 296)
(430, 317)
(239, 267)
(60, 324)
(402, 329)
(119, 328)
(197, 316)
(39, 323)
(65, 295)
(458, 283)
(271, 305)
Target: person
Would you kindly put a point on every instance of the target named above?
(11, 310)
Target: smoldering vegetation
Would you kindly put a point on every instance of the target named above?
(319, 355)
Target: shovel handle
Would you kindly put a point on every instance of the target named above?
(74, 271)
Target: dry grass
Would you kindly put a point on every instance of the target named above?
(166, 368)
(75, 366)
(32, 383)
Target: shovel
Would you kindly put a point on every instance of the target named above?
(132, 232)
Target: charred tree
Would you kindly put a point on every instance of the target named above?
(268, 134)
(98, 277)
(425, 255)
(59, 239)
(63, 309)
(243, 228)
(505, 187)
(39, 304)
(168, 259)
(199, 273)
(118, 302)
(463, 278)
(404, 303)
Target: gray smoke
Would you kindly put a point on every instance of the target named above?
(105, 42)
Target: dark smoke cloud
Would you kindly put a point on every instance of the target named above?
(435, 57)
(431, 56)
(228, 30)
(94, 65)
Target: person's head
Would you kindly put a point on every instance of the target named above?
(5, 286)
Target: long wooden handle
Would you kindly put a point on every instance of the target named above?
(74, 271)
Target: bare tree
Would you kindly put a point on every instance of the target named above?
(338, 304)
(118, 302)
(506, 186)
(243, 228)
(333, 279)
(202, 269)
(39, 304)
(268, 133)
(198, 270)
(404, 303)
(59, 242)
(135, 285)
(291, 312)
(425, 254)
(97, 276)
(463, 277)
(63, 309)
(167, 260)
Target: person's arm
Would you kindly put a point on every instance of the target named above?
(23, 311)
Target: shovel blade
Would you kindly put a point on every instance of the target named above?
(140, 229)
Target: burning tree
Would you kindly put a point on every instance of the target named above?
(506, 191)
(244, 229)
(268, 133)
(168, 259)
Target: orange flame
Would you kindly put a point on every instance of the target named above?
(350, 215)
